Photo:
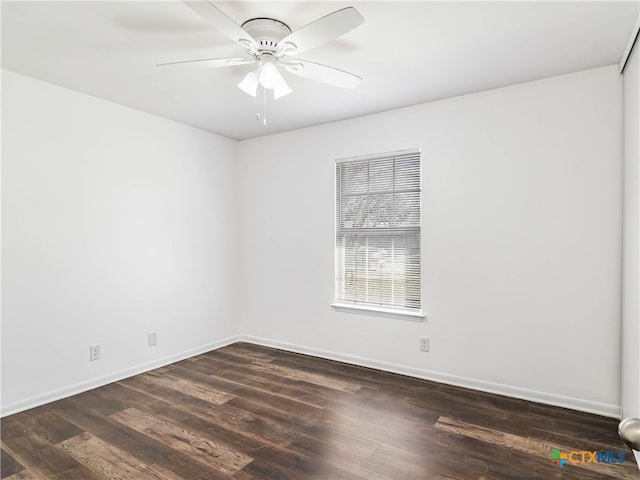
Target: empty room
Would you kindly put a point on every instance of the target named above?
(320, 240)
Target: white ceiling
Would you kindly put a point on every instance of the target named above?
(406, 53)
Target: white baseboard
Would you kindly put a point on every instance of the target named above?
(604, 409)
(81, 387)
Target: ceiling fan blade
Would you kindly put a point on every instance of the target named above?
(221, 21)
(209, 62)
(321, 31)
(322, 73)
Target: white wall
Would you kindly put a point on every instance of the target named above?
(521, 240)
(115, 223)
(631, 243)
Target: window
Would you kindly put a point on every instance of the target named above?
(378, 233)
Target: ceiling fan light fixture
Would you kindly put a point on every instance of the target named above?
(281, 89)
(249, 84)
(269, 76)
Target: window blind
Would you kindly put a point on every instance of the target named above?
(378, 230)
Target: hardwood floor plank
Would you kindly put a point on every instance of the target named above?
(225, 415)
(173, 464)
(8, 464)
(32, 451)
(387, 461)
(99, 405)
(343, 453)
(578, 441)
(271, 462)
(195, 389)
(317, 379)
(50, 426)
(107, 460)
(208, 451)
(238, 377)
(247, 354)
(322, 469)
(297, 374)
(185, 419)
(31, 474)
(296, 422)
(344, 372)
(185, 468)
(145, 449)
(378, 426)
(535, 447)
(580, 424)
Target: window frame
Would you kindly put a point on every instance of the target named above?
(387, 311)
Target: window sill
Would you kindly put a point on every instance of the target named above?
(412, 315)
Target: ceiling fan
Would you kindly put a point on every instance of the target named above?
(270, 44)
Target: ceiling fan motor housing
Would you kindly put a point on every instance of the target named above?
(267, 32)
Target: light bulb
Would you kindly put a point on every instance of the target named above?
(269, 75)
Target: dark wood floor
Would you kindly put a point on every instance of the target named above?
(248, 412)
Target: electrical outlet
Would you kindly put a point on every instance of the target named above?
(153, 339)
(94, 352)
(424, 344)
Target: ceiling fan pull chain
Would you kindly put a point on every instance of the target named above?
(264, 107)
